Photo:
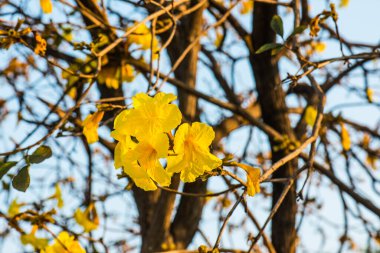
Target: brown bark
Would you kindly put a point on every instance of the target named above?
(189, 212)
(274, 112)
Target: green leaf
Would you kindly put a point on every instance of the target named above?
(22, 180)
(277, 25)
(41, 153)
(5, 167)
(298, 30)
(276, 50)
(267, 47)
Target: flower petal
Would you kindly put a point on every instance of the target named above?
(201, 162)
(140, 99)
(139, 176)
(165, 98)
(202, 134)
(159, 175)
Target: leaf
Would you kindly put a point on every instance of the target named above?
(277, 25)
(40, 154)
(22, 180)
(276, 50)
(298, 30)
(5, 167)
(267, 47)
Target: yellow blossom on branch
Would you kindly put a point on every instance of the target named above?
(58, 196)
(141, 132)
(14, 208)
(192, 153)
(142, 36)
(88, 218)
(127, 73)
(246, 6)
(64, 243)
(112, 76)
(108, 76)
(40, 48)
(310, 115)
(345, 136)
(142, 162)
(36, 242)
(151, 115)
(253, 178)
(369, 93)
(46, 6)
(344, 3)
(316, 47)
(90, 126)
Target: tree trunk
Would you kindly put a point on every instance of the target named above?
(189, 211)
(274, 112)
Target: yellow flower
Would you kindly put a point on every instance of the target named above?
(127, 73)
(90, 126)
(141, 162)
(40, 48)
(150, 115)
(113, 75)
(253, 183)
(46, 6)
(14, 208)
(64, 243)
(108, 76)
(192, 154)
(246, 6)
(344, 3)
(72, 93)
(143, 37)
(58, 196)
(141, 132)
(369, 93)
(310, 115)
(253, 178)
(345, 136)
(88, 219)
(319, 47)
(120, 133)
(37, 243)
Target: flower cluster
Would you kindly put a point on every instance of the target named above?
(144, 134)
